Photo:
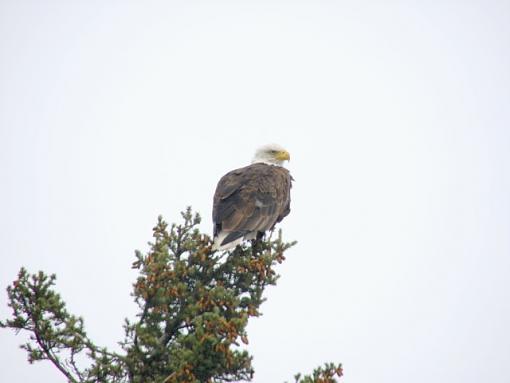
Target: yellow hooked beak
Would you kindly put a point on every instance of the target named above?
(283, 156)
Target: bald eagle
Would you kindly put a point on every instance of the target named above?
(251, 200)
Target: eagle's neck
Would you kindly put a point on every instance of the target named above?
(267, 161)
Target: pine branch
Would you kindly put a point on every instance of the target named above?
(55, 334)
(53, 358)
(325, 374)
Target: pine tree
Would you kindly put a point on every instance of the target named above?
(194, 305)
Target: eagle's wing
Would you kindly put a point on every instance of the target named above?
(251, 199)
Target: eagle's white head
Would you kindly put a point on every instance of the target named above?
(271, 154)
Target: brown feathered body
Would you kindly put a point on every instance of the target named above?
(248, 202)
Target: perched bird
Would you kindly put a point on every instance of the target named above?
(251, 200)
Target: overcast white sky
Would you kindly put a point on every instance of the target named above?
(397, 118)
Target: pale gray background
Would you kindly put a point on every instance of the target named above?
(396, 115)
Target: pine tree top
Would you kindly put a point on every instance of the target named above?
(194, 305)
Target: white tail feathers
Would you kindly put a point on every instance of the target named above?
(230, 245)
(219, 239)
